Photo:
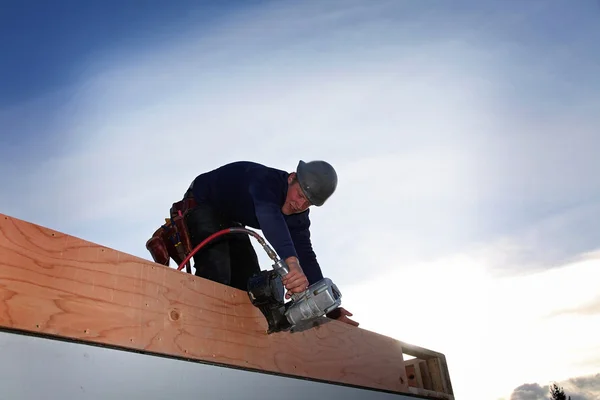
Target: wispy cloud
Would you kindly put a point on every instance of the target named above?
(591, 308)
(146, 124)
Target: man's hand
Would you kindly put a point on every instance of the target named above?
(341, 314)
(295, 281)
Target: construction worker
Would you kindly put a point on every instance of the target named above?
(246, 193)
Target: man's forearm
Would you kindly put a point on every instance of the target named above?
(304, 251)
(293, 262)
(295, 281)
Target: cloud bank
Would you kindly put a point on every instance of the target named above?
(580, 388)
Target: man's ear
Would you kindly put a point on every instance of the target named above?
(291, 177)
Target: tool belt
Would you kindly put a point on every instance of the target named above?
(172, 239)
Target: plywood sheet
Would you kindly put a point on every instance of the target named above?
(58, 284)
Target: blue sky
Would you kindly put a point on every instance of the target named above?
(50, 43)
(465, 133)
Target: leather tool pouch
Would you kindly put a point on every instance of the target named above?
(172, 239)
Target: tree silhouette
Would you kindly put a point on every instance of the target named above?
(558, 393)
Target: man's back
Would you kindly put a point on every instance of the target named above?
(234, 188)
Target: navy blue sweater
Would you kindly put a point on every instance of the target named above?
(253, 194)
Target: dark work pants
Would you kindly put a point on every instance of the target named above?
(229, 259)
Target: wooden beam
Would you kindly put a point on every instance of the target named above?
(419, 352)
(437, 377)
(434, 363)
(414, 374)
(57, 284)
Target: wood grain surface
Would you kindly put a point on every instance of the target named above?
(61, 285)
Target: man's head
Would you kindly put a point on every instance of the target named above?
(312, 184)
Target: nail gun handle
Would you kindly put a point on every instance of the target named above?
(282, 269)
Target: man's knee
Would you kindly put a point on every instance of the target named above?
(244, 261)
(213, 262)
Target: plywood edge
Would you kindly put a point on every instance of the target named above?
(56, 284)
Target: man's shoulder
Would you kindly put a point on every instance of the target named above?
(261, 174)
(259, 178)
(241, 169)
(252, 167)
(300, 221)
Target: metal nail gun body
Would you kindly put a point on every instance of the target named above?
(266, 291)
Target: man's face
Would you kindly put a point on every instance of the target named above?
(295, 201)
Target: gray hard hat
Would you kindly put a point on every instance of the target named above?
(318, 180)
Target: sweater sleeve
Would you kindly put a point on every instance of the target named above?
(270, 218)
(299, 226)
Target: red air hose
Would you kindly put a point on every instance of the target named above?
(224, 232)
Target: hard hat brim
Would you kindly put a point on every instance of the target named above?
(313, 198)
